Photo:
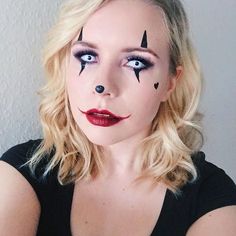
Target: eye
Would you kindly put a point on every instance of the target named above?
(86, 56)
(136, 64)
(139, 63)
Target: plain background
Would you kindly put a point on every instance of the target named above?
(213, 27)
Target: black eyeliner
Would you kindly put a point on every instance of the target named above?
(146, 62)
(81, 53)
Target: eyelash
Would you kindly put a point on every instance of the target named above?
(146, 63)
(79, 54)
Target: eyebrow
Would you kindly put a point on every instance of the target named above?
(91, 45)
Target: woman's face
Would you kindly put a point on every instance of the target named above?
(122, 49)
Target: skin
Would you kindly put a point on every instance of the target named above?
(115, 200)
(112, 69)
(111, 199)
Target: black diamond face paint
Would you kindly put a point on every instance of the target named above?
(82, 63)
(144, 44)
(156, 85)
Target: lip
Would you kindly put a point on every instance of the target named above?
(102, 118)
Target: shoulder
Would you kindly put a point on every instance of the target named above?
(20, 153)
(18, 201)
(213, 198)
(213, 188)
(16, 158)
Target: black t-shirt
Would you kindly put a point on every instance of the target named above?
(213, 189)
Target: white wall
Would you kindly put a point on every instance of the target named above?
(214, 33)
(24, 23)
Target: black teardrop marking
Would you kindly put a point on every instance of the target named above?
(156, 85)
(81, 35)
(137, 71)
(144, 43)
(82, 67)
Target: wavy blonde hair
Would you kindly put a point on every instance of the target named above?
(175, 134)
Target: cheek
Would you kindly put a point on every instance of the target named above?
(145, 102)
(76, 85)
(152, 86)
(71, 83)
(73, 69)
(151, 104)
(72, 87)
(72, 98)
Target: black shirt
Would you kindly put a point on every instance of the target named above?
(213, 189)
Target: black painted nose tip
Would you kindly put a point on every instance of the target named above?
(99, 89)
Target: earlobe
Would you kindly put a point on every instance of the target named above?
(173, 80)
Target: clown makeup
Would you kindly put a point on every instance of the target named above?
(116, 53)
(138, 69)
(81, 35)
(83, 63)
(144, 40)
(156, 85)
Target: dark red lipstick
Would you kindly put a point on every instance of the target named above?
(102, 117)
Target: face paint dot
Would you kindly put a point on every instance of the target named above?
(99, 89)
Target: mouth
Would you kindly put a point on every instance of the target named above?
(102, 117)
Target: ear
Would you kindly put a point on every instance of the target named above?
(173, 80)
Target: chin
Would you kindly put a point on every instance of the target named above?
(103, 137)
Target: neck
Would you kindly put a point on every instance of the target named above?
(121, 158)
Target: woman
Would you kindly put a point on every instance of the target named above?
(120, 153)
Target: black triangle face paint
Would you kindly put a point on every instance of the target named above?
(82, 63)
(81, 35)
(144, 43)
(82, 67)
(137, 71)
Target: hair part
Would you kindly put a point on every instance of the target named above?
(175, 134)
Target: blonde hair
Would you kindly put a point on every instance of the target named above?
(175, 134)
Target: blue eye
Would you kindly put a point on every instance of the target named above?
(139, 63)
(86, 57)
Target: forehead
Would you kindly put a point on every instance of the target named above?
(123, 22)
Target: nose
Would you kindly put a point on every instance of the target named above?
(106, 81)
